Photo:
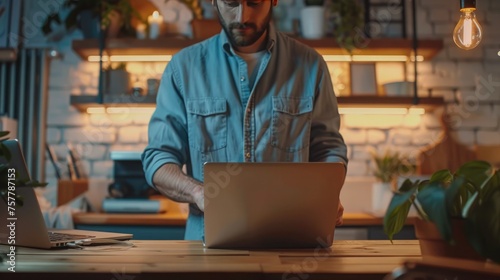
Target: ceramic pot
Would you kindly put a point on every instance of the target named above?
(312, 22)
(116, 82)
(431, 243)
(381, 197)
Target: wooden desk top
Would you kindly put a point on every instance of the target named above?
(190, 260)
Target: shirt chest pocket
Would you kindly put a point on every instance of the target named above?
(207, 123)
(291, 123)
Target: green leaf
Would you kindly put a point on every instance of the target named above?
(433, 202)
(407, 185)
(4, 133)
(476, 172)
(397, 212)
(4, 152)
(483, 227)
(491, 186)
(441, 176)
(457, 187)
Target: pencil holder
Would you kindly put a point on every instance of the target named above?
(67, 190)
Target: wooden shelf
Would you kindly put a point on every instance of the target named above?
(8, 54)
(82, 102)
(388, 101)
(326, 46)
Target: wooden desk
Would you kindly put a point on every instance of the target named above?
(190, 260)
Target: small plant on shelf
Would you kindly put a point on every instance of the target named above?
(348, 22)
(389, 165)
(111, 12)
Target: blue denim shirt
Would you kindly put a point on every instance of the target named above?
(208, 112)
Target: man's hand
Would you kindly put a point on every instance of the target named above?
(199, 199)
(340, 214)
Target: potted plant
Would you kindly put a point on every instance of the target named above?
(202, 28)
(462, 208)
(347, 19)
(312, 19)
(5, 174)
(115, 15)
(387, 167)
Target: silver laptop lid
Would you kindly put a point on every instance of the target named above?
(271, 205)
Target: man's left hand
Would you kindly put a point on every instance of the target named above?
(340, 214)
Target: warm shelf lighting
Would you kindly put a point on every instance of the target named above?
(327, 57)
(132, 58)
(381, 111)
(120, 110)
(369, 58)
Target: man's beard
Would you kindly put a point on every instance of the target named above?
(243, 40)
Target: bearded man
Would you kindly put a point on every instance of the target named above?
(248, 94)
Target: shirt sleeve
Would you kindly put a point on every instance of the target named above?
(326, 143)
(167, 130)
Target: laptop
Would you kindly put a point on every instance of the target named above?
(271, 205)
(26, 227)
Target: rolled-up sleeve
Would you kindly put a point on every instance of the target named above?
(326, 143)
(167, 135)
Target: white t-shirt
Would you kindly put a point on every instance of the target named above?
(253, 61)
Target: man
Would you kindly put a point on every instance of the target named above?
(249, 94)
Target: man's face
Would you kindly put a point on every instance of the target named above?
(244, 21)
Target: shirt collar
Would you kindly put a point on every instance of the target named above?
(226, 45)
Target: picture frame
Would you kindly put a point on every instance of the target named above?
(363, 79)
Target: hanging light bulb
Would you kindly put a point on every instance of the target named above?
(468, 32)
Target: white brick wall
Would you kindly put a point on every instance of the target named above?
(103, 168)
(129, 135)
(357, 168)
(488, 137)
(376, 136)
(467, 137)
(105, 135)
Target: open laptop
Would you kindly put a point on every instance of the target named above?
(271, 205)
(27, 225)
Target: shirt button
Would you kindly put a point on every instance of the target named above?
(242, 78)
(247, 155)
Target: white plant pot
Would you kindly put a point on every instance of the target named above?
(381, 197)
(312, 22)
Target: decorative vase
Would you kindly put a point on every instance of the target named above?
(432, 244)
(381, 197)
(116, 82)
(312, 21)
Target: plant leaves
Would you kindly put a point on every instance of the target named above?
(490, 186)
(441, 176)
(476, 172)
(483, 227)
(397, 212)
(4, 133)
(433, 202)
(457, 187)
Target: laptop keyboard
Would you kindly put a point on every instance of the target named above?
(56, 236)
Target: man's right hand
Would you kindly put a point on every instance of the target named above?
(199, 199)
